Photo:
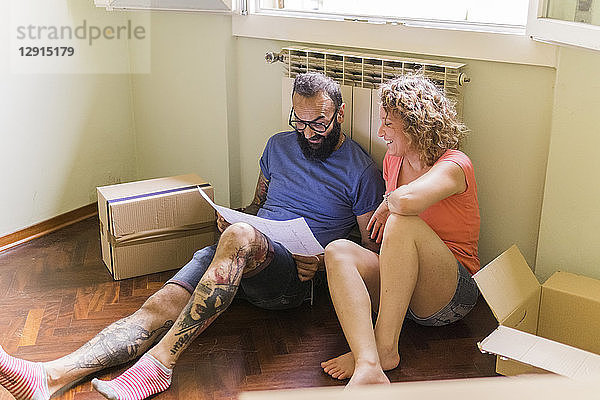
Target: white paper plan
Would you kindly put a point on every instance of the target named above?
(293, 234)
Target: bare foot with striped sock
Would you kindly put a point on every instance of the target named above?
(146, 377)
(23, 379)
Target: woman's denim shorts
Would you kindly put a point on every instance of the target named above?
(462, 302)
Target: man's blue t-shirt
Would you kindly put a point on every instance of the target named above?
(329, 194)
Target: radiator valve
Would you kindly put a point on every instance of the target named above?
(462, 79)
(272, 57)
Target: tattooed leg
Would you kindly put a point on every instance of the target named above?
(241, 249)
(122, 341)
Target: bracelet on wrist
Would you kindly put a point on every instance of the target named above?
(385, 199)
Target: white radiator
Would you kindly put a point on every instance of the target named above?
(359, 75)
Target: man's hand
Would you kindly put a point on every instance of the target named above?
(308, 265)
(377, 222)
(221, 223)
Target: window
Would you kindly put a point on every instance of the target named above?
(573, 22)
(469, 29)
(494, 12)
(573, 11)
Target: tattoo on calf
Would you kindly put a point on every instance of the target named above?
(208, 303)
(215, 292)
(117, 344)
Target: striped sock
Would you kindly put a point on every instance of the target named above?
(23, 379)
(148, 376)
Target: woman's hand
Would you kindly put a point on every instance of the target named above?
(377, 222)
(221, 223)
(307, 266)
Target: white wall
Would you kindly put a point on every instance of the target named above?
(570, 224)
(210, 103)
(508, 107)
(259, 102)
(508, 143)
(181, 106)
(61, 135)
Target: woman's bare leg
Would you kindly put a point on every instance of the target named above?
(353, 279)
(415, 268)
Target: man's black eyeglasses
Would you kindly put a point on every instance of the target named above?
(300, 125)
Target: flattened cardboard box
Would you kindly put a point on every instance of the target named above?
(547, 387)
(554, 326)
(154, 225)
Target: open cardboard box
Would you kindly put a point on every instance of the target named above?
(551, 327)
(154, 225)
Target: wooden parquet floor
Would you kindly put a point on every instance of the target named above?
(55, 294)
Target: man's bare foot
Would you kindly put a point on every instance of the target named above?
(342, 367)
(367, 374)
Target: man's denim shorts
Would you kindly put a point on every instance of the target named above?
(276, 287)
(462, 302)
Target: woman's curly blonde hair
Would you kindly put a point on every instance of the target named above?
(431, 123)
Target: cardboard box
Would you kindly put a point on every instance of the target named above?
(553, 327)
(499, 388)
(154, 225)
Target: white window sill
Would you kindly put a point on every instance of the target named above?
(433, 41)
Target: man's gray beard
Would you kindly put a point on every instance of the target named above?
(327, 146)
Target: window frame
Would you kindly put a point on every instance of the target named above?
(560, 32)
(432, 38)
(111, 6)
(254, 7)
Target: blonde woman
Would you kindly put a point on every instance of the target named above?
(428, 227)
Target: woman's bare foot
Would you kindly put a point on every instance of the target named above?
(342, 367)
(367, 374)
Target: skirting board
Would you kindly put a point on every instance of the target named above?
(45, 227)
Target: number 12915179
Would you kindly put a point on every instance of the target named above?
(62, 51)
